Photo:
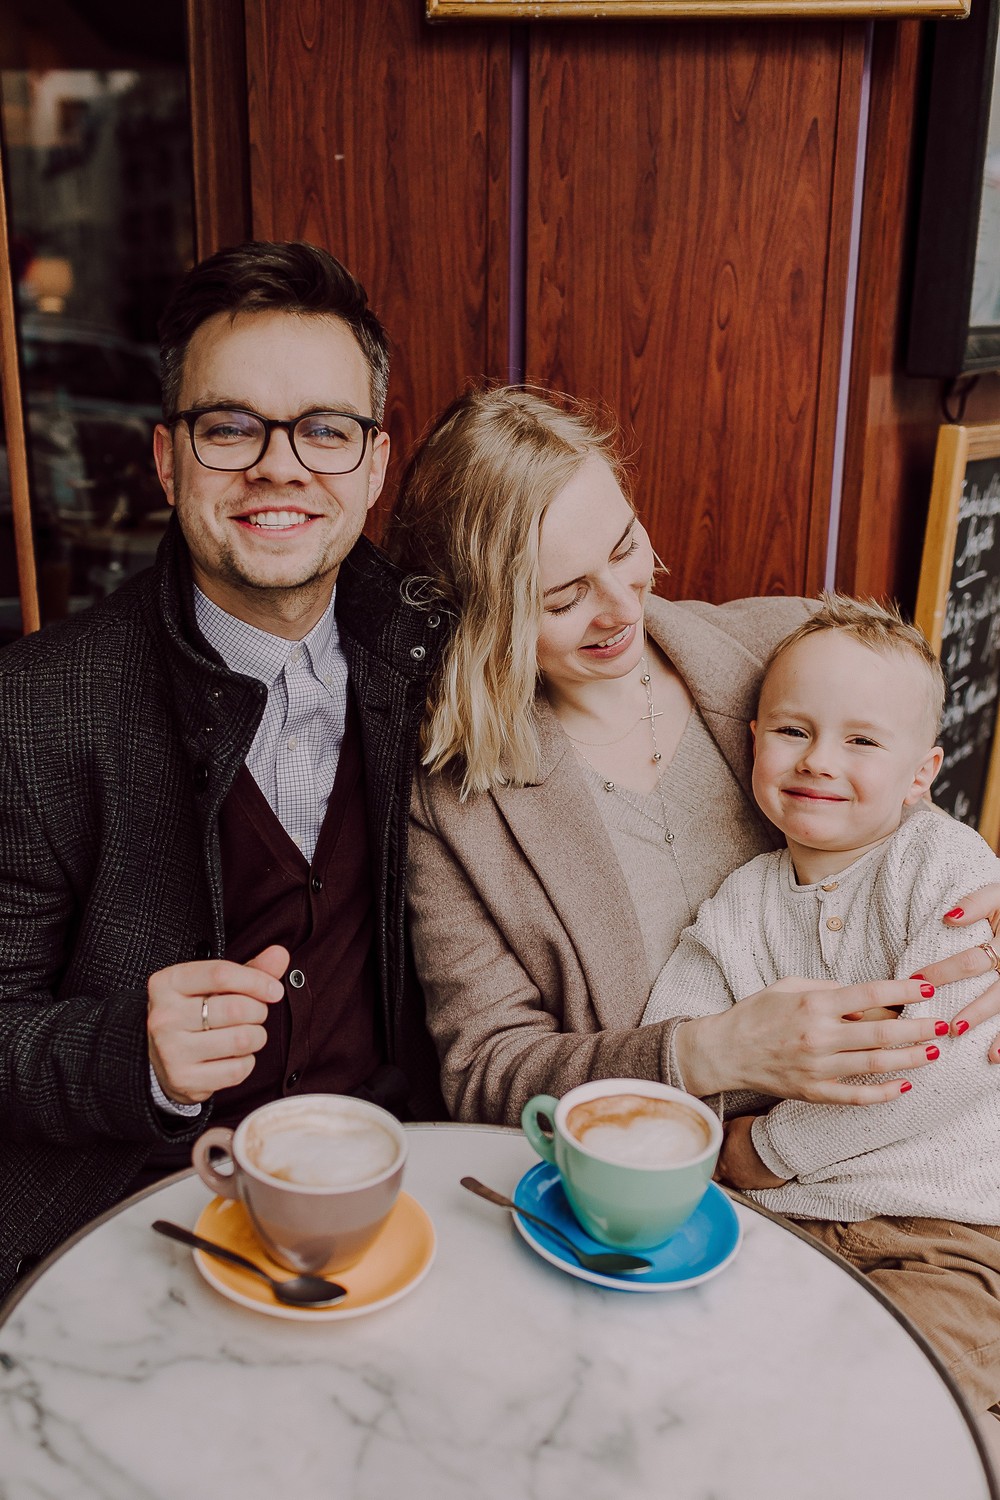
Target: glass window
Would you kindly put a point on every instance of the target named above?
(98, 162)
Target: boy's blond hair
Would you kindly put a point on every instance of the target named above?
(880, 627)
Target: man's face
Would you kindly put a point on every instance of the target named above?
(268, 541)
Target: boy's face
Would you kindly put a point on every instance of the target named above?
(841, 745)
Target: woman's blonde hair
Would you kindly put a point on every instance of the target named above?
(466, 527)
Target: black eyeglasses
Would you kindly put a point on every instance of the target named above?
(231, 439)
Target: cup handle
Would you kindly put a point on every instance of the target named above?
(222, 1137)
(543, 1141)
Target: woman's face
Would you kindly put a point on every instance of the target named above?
(595, 563)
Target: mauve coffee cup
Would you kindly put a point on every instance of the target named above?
(351, 1154)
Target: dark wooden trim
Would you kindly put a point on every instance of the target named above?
(217, 84)
(13, 414)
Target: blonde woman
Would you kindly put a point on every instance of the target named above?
(585, 784)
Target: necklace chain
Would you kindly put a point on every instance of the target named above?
(651, 715)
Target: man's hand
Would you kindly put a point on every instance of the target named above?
(739, 1165)
(191, 1062)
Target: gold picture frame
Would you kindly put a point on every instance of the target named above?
(958, 609)
(701, 10)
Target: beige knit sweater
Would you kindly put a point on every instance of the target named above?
(932, 1152)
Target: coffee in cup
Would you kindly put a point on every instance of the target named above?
(316, 1173)
(638, 1131)
(635, 1157)
(320, 1148)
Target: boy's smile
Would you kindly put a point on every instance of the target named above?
(842, 743)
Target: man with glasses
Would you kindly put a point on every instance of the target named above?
(206, 778)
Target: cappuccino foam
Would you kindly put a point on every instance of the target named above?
(320, 1149)
(639, 1130)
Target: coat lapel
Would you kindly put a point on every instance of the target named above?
(560, 832)
(721, 674)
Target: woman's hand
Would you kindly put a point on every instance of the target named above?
(793, 1040)
(983, 904)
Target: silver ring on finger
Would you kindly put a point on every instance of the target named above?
(206, 1024)
(992, 955)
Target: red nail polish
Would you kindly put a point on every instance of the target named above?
(916, 976)
(961, 1027)
(904, 1088)
(941, 1028)
(932, 1053)
(927, 990)
(954, 914)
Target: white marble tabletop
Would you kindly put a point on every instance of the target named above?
(124, 1376)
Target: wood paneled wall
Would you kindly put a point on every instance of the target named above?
(687, 212)
(386, 142)
(688, 190)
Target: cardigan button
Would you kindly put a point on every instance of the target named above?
(292, 1080)
(433, 621)
(201, 777)
(316, 884)
(296, 979)
(418, 653)
(834, 923)
(203, 949)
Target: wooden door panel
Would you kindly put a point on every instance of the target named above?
(686, 260)
(384, 140)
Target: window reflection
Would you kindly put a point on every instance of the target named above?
(98, 164)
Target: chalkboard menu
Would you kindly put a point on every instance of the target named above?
(958, 608)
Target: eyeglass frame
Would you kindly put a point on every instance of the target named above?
(369, 428)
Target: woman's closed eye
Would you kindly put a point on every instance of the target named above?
(626, 551)
(562, 609)
(616, 557)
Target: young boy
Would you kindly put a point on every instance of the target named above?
(844, 754)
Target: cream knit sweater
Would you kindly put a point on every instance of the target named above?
(934, 1152)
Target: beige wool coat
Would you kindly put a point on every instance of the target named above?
(526, 941)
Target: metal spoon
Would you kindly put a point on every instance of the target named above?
(296, 1291)
(608, 1263)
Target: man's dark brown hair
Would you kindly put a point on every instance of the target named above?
(263, 276)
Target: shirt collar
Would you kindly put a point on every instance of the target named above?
(256, 653)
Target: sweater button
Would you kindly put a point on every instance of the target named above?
(832, 886)
(201, 777)
(203, 949)
(292, 1080)
(834, 923)
(316, 884)
(296, 979)
(418, 653)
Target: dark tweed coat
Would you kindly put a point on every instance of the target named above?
(120, 734)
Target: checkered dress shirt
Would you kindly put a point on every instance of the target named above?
(296, 749)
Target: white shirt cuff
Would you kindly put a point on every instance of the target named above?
(169, 1107)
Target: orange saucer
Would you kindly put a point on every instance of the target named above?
(398, 1260)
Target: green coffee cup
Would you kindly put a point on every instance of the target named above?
(635, 1157)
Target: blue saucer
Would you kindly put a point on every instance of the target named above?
(699, 1249)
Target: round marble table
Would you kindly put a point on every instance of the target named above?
(124, 1376)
